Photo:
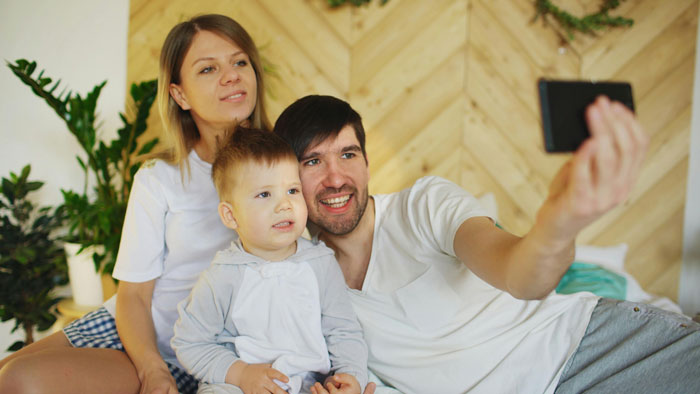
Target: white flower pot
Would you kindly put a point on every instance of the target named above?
(85, 281)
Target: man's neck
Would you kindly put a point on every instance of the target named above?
(353, 250)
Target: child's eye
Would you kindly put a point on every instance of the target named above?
(293, 190)
(311, 162)
(263, 195)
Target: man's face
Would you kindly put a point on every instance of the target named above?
(334, 177)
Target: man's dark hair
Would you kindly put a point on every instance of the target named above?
(312, 119)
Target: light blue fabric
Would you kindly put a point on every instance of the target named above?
(595, 279)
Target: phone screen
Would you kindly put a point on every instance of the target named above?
(563, 105)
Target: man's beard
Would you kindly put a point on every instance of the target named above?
(346, 225)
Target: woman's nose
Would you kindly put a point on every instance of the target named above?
(230, 75)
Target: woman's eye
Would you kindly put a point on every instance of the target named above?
(263, 195)
(207, 70)
(311, 162)
(242, 63)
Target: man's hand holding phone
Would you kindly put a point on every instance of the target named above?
(602, 171)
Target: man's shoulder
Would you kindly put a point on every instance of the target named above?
(422, 187)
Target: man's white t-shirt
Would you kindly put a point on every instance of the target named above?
(171, 233)
(432, 326)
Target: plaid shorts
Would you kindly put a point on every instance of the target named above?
(98, 329)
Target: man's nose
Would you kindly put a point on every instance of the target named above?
(334, 176)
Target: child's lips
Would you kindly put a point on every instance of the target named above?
(284, 225)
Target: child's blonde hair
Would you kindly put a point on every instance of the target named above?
(243, 146)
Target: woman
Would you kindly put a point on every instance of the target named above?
(210, 78)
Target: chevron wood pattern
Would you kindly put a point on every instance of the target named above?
(447, 87)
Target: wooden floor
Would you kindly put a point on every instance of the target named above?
(447, 87)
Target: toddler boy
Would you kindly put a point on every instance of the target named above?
(271, 312)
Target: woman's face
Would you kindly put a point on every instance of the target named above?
(217, 83)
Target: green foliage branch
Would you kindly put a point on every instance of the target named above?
(587, 24)
(95, 217)
(32, 262)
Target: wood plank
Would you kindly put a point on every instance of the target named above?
(419, 106)
(521, 128)
(673, 45)
(609, 53)
(420, 155)
(413, 64)
(382, 43)
(314, 39)
(525, 190)
(367, 17)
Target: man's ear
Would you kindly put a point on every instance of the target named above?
(226, 215)
(178, 95)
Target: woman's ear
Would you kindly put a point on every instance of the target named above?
(226, 215)
(178, 95)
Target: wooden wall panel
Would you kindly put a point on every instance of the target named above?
(448, 87)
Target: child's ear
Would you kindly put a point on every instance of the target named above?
(226, 215)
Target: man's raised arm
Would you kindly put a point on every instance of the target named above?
(598, 177)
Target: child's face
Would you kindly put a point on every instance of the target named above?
(268, 208)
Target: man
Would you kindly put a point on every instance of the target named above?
(450, 303)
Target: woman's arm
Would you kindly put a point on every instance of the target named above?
(137, 333)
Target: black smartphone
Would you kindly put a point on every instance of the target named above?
(563, 105)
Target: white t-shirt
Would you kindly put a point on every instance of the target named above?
(432, 326)
(171, 233)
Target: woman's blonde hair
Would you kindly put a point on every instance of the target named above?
(180, 131)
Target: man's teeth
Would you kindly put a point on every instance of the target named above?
(283, 224)
(336, 202)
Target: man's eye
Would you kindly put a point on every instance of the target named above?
(263, 195)
(348, 155)
(311, 162)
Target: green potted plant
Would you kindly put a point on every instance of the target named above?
(32, 262)
(95, 216)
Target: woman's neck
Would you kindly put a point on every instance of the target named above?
(206, 146)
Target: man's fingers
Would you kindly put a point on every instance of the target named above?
(602, 125)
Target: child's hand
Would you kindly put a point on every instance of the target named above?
(340, 383)
(259, 378)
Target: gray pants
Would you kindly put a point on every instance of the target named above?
(634, 348)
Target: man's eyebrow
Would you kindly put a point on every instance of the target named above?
(349, 148)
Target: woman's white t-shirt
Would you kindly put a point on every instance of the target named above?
(171, 233)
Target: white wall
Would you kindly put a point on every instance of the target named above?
(82, 42)
(689, 287)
